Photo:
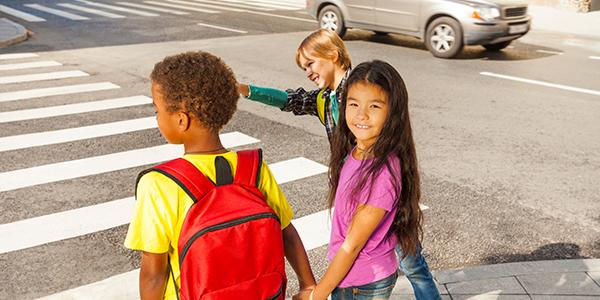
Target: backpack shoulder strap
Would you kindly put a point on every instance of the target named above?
(321, 106)
(248, 167)
(185, 174)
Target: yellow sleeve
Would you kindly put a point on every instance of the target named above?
(274, 196)
(153, 222)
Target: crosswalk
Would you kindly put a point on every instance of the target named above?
(63, 225)
(83, 10)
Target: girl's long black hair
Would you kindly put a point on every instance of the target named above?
(395, 140)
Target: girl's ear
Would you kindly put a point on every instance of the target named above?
(184, 121)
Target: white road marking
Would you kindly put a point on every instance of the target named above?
(550, 52)
(72, 223)
(148, 7)
(53, 91)
(41, 76)
(206, 5)
(69, 109)
(9, 143)
(222, 28)
(595, 57)
(21, 15)
(29, 65)
(57, 12)
(17, 179)
(543, 83)
(17, 56)
(92, 11)
(118, 8)
(183, 7)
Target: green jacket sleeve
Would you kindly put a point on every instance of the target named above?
(268, 96)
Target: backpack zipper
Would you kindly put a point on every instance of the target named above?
(223, 226)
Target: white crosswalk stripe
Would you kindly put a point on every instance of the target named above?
(54, 91)
(20, 14)
(118, 8)
(41, 76)
(17, 56)
(37, 139)
(29, 65)
(22, 178)
(57, 12)
(148, 7)
(69, 109)
(91, 11)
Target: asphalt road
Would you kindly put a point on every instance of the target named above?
(510, 168)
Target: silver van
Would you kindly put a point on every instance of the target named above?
(444, 25)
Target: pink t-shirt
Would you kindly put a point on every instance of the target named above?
(377, 260)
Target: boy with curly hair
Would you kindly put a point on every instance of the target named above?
(194, 95)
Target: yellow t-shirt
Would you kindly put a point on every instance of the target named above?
(161, 206)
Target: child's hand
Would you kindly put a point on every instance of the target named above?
(303, 294)
(243, 89)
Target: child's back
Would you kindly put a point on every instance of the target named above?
(194, 95)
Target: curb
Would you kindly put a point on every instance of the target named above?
(11, 33)
(517, 268)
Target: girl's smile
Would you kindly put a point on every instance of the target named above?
(366, 112)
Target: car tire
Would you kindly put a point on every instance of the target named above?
(497, 46)
(330, 17)
(444, 37)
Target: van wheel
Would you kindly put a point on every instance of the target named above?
(497, 46)
(330, 17)
(444, 37)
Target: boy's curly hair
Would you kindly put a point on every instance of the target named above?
(200, 84)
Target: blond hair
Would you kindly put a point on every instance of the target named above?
(326, 44)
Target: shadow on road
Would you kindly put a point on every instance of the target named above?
(517, 51)
(546, 252)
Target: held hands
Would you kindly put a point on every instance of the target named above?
(304, 294)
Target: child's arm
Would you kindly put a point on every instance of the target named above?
(364, 222)
(268, 96)
(154, 274)
(296, 256)
(298, 101)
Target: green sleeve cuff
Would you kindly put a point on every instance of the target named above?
(268, 96)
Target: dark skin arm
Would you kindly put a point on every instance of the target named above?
(296, 256)
(154, 274)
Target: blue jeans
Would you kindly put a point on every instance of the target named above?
(381, 289)
(416, 270)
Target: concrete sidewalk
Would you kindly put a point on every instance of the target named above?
(555, 279)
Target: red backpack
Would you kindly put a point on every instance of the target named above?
(230, 244)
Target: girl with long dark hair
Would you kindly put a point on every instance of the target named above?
(375, 187)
